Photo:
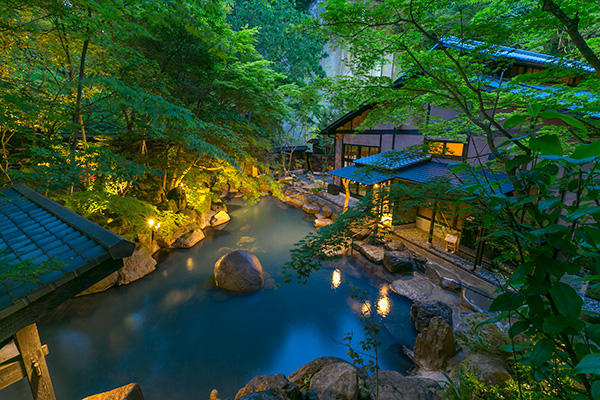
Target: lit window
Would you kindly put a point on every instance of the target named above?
(450, 149)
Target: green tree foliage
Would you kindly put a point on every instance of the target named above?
(133, 99)
(282, 37)
(544, 143)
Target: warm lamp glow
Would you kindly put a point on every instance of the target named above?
(190, 264)
(383, 306)
(336, 278)
(366, 308)
(386, 219)
(158, 225)
(150, 222)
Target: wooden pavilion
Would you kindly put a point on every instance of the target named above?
(48, 254)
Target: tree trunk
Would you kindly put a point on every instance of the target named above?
(432, 225)
(78, 118)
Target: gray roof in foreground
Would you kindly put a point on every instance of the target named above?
(36, 230)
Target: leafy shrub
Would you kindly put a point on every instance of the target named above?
(121, 213)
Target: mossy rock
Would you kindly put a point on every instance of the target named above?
(593, 291)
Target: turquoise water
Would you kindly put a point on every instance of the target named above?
(179, 337)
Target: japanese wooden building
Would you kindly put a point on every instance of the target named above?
(359, 151)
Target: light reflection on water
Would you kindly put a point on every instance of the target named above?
(179, 337)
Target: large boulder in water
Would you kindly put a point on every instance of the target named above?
(136, 266)
(336, 381)
(422, 313)
(435, 344)
(189, 239)
(239, 271)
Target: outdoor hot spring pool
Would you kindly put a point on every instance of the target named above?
(179, 337)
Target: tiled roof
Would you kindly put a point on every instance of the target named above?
(419, 172)
(574, 103)
(34, 230)
(392, 160)
(424, 172)
(364, 175)
(513, 54)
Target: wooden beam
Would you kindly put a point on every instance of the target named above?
(34, 362)
(8, 352)
(11, 373)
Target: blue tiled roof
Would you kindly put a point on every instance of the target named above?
(424, 172)
(514, 54)
(392, 160)
(33, 230)
(420, 173)
(364, 175)
(544, 92)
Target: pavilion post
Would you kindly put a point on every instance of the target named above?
(432, 224)
(34, 362)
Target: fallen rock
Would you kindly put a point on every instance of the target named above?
(431, 271)
(397, 261)
(310, 208)
(395, 245)
(239, 271)
(136, 266)
(475, 300)
(277, 383)
(292, 200)
(371, 252)
(264, 395)
(418, 288)
(435, 344)
(451, 284)
(189, 239)
(394, 386)
(326, 211)
(220, 218)
(302, 375)
(336, 381)
(321, 222)
(204, 219)
(421, 313)
(103, 285)
(128, 392)
(486, 367)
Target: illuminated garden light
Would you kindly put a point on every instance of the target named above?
(336, 278)
(383, 306)
(150, 222)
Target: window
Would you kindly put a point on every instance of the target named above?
(446, 149)
(358, 189)
(354, 152)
